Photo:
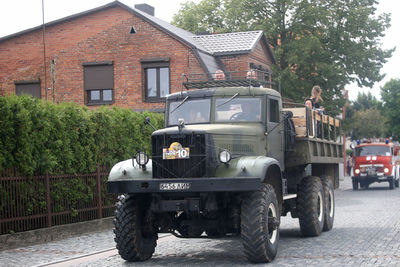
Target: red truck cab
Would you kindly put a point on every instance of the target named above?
(375, 162)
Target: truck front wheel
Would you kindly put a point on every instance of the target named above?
(391, 183)
(135, 234)
(355, 185)
(260, 219)
(311, 206)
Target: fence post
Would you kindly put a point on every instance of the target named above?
(48, 200)
(99, 204)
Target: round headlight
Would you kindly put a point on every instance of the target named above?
(142, 158)
(357, 171)
(386, 170)
(225, 156)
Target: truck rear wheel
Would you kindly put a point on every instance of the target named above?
(260, 219)
(391, 183)
(311, 206)
(355, 185)
(329, 202)
(135, 235)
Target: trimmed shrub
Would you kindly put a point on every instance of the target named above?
(38, 136)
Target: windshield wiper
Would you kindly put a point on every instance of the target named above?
(229, 100)
(180, 104)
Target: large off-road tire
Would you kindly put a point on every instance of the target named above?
(355, 185)
(364, 185)
(135, 234)
(329, 203)
(260, 219)
(311, 206)
(391, 184)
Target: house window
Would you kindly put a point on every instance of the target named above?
(156, 79)
(99, 82)
(28, 87)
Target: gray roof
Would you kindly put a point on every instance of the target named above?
(228, 43)
(169, 28)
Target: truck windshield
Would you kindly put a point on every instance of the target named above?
(238, 109)
(373, 150)
(192, 111)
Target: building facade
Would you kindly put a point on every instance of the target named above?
(122, 56)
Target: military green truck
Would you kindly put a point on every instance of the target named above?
(230, 160)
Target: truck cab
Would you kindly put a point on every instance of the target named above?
(375, 162)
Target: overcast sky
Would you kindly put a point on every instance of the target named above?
(19, 15)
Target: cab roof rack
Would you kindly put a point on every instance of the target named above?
(252, 77)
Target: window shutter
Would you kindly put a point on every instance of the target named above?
(99, 77)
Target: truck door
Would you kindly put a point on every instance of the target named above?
(275, 137)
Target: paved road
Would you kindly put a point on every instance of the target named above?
(366, 233)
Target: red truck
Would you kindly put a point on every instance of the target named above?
(375, 162)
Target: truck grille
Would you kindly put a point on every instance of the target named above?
(195, 166)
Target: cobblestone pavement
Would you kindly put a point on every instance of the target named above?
(366, 233)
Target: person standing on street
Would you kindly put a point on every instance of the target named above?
(349, 164)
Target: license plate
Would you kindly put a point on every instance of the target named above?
(175, 186)
(183, 153)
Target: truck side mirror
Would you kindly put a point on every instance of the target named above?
(147, 121)
(288, 114)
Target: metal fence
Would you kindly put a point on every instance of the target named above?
(40, 201)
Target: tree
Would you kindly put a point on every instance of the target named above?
(368, 123)
(365, 101)
(357, 110)
(390, 94)
(328, 42)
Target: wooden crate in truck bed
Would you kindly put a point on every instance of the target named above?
(318, 138)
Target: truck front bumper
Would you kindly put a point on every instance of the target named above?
(372, 179)
(182, 185)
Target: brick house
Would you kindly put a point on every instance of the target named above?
(118, 55)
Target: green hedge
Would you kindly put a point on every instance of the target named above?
(38, 136)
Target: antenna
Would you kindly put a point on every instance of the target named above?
(44, 51)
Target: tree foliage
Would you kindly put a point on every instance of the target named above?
(359, 110)
(390, 94)
(330, 43)
(363, 101)
(368, 123)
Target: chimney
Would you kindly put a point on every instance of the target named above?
(145, 8)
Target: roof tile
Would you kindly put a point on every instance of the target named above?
(226, 43)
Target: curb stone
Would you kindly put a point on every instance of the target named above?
(54, 233)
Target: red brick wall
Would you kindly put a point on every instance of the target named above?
(102, 36)
(21, 58)
(125, 50)
(241, 63)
